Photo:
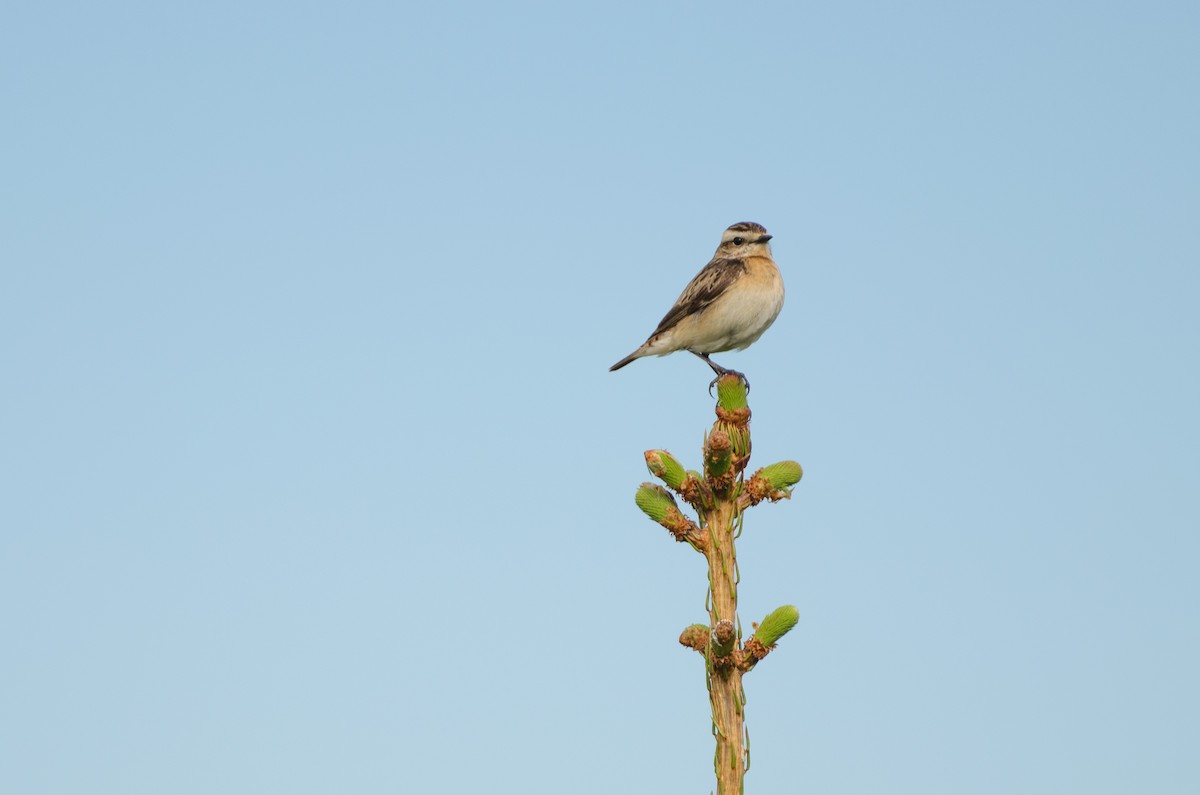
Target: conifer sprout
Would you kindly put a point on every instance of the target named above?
(655, 501)
(719, 496)
(777, 624)
(772, 483)
(665, 466)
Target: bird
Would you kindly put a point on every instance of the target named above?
(727, 306)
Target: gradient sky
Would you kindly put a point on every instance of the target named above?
(314, 479)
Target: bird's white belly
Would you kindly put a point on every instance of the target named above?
(738, 319)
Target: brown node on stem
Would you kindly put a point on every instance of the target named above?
(682, 528)
(695, 637)
(754, 650)
(724, 638)
(726, 663)
(739, 418)
(696, 493)
(758, 489)
(724, 634)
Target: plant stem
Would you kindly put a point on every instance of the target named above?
(725, 677)
(719, 495)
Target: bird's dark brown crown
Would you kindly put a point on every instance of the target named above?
(747, 226)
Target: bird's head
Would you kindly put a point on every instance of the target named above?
(746, 239)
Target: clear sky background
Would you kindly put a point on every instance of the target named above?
(314, 479)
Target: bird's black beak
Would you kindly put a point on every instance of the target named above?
(765, 238)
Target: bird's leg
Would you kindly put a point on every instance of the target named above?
(720, 371)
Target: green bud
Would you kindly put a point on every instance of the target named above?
(783, 475)
(655, 501)
(718, 454)
(665, 466)
(776, 625)
(731, 392)
(771, 483)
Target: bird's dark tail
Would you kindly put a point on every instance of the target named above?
(624, 362)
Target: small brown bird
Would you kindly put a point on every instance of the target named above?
(729, 304)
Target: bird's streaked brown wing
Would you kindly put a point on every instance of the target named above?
(709, 284)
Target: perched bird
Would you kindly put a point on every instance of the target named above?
(729, 304)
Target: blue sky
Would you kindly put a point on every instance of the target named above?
(315, 480)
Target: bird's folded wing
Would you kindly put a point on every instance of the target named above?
(709, 285)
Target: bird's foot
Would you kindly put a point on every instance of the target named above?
(720, 371)
(722, 374)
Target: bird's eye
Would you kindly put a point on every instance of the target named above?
(737, 241)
